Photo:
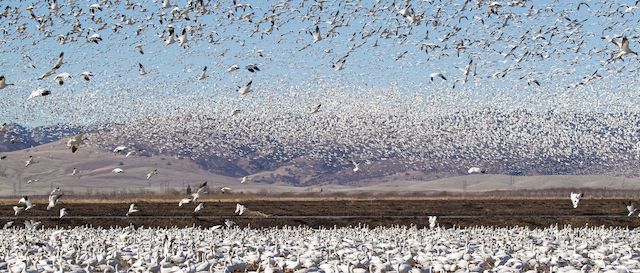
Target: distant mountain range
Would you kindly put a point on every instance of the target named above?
(303, 171)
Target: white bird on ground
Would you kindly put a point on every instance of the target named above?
(240, 209)
(117, 170)
(630, 207)
(40, 92)
(152, 173)
(203, 74)
(55, 67)
(132, 209)
(8, 225)
(29, 161)
(575, 198)
(245, 89)
(3, 82)
(63, 212)
(476, 170)
(184, 201)
(86, 75)
(229, 223)
(130, 153)
(432, 221)
(119, 149)
(437, 75)
(199, 207)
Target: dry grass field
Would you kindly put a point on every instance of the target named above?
(332, 211)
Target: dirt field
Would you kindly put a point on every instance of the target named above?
(327, 213)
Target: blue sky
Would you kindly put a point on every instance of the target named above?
(172, 70)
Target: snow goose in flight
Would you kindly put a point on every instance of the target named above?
(432, 221)
(198, 208)
(203, 74)
(170, 37)
(225, 189)
(74, 172)
(3, 82)
(356, 166)
(183, 38)
(476, 170)
(117, 170)
(575, 198)
(29, 161)
(240, 209)
(245, 89)
(316, 109)
(130, 153)
(95, 6)
(27, 202)
(338, 65)
(316, 35)
(252, 68)
(60, 78)
(55, 68)
(63, 212)
(17, 210)
(152, 173)
(141, 70)
(95, 38)
(233, 67)
(624, 49)
(244, 179)
(40, 92)
(119, 149)
(202, 187)
(437, 75)
(630, 207)
(184, 201)
(132, 209)
(53, 200)
(74, 142)
(86, 75)
(139, 48)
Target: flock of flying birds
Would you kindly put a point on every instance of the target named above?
(513, 86)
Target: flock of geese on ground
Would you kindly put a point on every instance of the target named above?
(357, 249)
(516, 86)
